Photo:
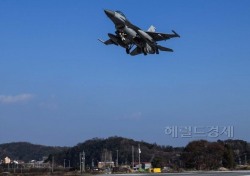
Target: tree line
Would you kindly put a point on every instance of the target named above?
(198, 155)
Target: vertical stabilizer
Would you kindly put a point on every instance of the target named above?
(151, 29)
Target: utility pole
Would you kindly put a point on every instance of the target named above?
(80, 157)
(64, 163)
(133, 159)
(116, 158)
(105, 158)
(52, 168)
(82, 161)
(69, 163)
(92, 163)
(245, 159)
(139, 151)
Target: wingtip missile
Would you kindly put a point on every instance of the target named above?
(101, 41)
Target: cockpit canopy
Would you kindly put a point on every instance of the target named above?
(122, 14)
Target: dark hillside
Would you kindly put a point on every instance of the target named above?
(25, 151)
(94, 149)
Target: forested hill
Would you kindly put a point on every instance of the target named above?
(26, 151)
(95, 150)
(199, 154)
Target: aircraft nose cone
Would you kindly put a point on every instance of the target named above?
(109, 13)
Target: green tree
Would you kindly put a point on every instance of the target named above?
(228, 157)
(203, 155)
(157, 162)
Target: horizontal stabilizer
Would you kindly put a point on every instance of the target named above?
(177, 35)
(164, 48)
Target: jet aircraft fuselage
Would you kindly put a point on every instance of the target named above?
(128, 35)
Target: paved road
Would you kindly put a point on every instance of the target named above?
(228, 173)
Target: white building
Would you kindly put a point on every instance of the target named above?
(7, 160)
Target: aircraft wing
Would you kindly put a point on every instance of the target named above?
(107, 42)
(161, 36)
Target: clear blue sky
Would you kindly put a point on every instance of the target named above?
(60, 86)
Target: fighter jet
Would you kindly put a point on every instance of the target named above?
(128, 35)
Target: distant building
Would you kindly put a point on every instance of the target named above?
(137, 166)
(103, 165)
(7, 160)
(142, 165)
(37, 164)
(44, 158)
(106, 160)
(146, 165)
